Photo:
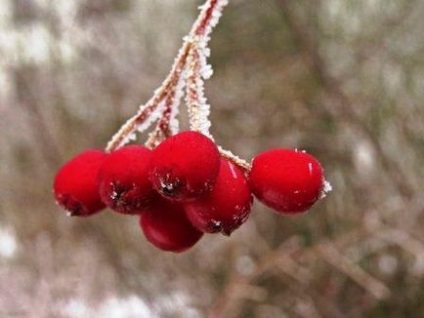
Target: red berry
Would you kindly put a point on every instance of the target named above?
(123, 179)
(75, 184)
(166, 226)
(226, 207)
(184, 166)
(289, 181)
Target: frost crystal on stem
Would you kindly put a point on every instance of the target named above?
(186, 78)
(235, 159)
(198, 107)
(170, 92)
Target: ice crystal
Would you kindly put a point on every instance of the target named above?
(327, 187)
(153, 116)
(197, 104)
(188, 72)
(174, 124)
(237, 160)
(145, 117)
(215, 14)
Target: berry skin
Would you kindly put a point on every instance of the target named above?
(123, 179)
(75, 184)
(226, 207)
(289, 181)
(184, 166)
(166, 226)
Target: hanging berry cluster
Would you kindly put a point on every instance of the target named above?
(181, 184)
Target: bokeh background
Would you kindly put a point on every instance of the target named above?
(342, 79)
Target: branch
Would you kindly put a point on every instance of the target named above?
(198, 38)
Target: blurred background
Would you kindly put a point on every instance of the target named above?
(342, 79)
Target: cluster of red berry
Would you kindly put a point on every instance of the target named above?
(184, 187)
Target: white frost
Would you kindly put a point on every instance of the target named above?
(174, 124)
(326, 189)
(154, 116)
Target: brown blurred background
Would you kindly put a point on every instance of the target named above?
(342, 79)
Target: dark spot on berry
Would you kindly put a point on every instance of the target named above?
(170, 187)
(168, 190)
(214, 226)
(73, 206)
(118, 193)
(126, 199)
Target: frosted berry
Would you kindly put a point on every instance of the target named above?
(289, 181)
(75, 184)
(184, 166)
(123, 179)
(226, 207)
(166, 226)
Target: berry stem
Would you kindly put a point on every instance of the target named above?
(227, 154)
(198, 108)
(162, 130)
(196, 41)
(146, 110)
(189, 70)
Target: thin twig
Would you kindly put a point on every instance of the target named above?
(202, 28)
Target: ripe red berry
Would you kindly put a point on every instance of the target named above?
(184, 166)
(289, 181)
(166, 226)
(123, 179)
(226, 207)
(75, 184)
